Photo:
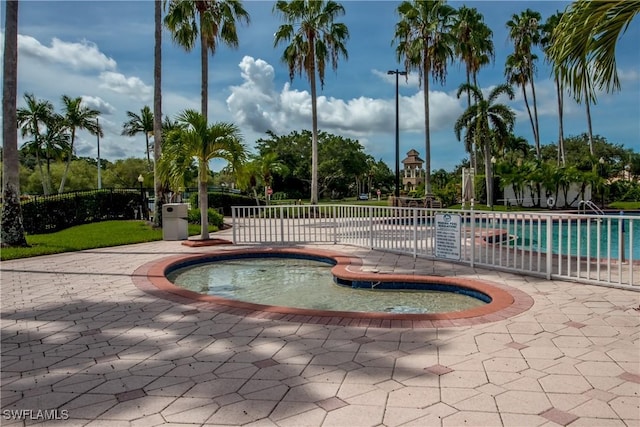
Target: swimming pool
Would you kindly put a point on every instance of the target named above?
(578, 236)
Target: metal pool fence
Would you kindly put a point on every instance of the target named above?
(597, 249)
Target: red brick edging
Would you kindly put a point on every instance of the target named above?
(505, 300)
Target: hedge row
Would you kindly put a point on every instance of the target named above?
(54, 213)
(224, 201)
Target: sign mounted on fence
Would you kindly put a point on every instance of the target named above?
(448, 236)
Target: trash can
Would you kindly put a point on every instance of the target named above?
(174, 221)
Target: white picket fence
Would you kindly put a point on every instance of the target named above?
(597, 249)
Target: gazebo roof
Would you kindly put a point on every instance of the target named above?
(413, 158)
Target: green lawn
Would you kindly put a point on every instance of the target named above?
(90, 236)
(625, 206)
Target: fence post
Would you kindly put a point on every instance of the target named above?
(415, 233)
(472, 218)
(621, 238)
(335, 224)
(234, 226)
(370, 211)
(549, 246)
(281, 224)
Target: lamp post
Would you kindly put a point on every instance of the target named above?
(99, 168)
(142, 210)
(398, 74)
(491, 181)
(601, 161)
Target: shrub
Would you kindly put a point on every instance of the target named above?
(46, 214)
(224, 201)
(215, 218)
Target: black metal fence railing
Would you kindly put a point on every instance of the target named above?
(46, 214)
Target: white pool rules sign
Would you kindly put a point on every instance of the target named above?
(448, 236)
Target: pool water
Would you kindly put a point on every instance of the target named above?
(568, 235)
(308, 284)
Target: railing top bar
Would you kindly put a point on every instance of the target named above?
(510, 214)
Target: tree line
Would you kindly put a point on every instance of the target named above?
(428, 36)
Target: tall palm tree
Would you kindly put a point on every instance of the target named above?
(315, 39)
(210, 21)
(425, 42)
(12, 230)
(77, 116)
(524, 31)
(203, 142)
(158, 194)
(31, 119)
(516, 74)
(259, 171)
(583, 51)
(486, 121)
(546, 41)
(590, 30)
(140, 123)
(50, 146)
(475, 48)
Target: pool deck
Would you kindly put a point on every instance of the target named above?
(84, 334)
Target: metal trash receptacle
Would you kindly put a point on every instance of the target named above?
(174, 221)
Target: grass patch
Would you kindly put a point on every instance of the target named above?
(90, 236)
(625, 206)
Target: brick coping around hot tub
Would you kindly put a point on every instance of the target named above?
(506, 301)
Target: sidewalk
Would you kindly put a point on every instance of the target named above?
(78, 336)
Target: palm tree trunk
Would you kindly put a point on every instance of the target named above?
(488, 173)
(561, 155)
(45, 187)
(589, 127)
(472, 148)
(66, 167)
(475, 146)
(12, 230)
(204, 61)
(49, 183)
(526, 103)
(427, 134)
(157, 114)
(203, 198)
(314, 126)
(146, 137)
(535, 115)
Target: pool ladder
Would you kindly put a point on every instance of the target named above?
(584, 204)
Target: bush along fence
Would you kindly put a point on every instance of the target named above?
(47, 214)
(224, 201)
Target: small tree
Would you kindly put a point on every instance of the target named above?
(202, 142)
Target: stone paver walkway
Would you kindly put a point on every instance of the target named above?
(85, 345)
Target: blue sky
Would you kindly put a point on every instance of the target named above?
(103, 51)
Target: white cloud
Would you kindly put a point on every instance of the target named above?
(256, 104)
(628, 75)
(99, 104)
(134, 87)
(78, 56)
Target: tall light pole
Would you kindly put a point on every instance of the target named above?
(491, 182)
(99, 168)
(398, 74)
(601, 161)
(142, 209)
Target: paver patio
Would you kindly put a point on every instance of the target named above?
(79, 336)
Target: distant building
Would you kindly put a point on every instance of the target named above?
(412, 173)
